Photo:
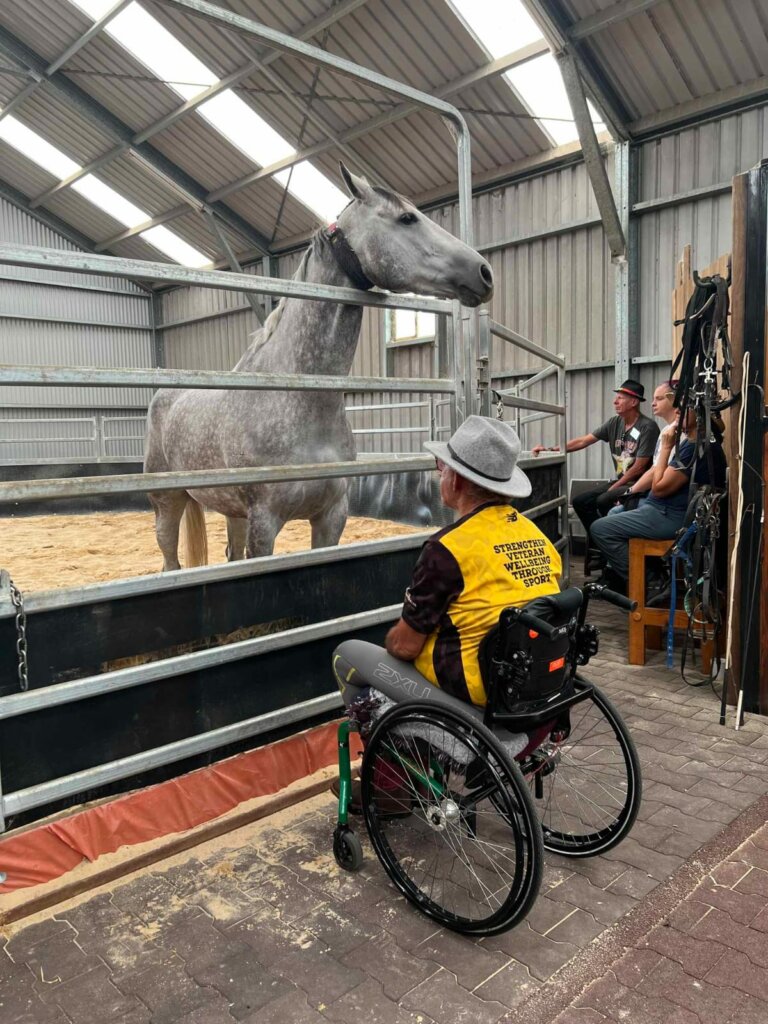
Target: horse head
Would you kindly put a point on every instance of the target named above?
(401, 250)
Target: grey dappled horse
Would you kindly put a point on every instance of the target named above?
(380, 240)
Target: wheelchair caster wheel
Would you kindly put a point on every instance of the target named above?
(347, 849)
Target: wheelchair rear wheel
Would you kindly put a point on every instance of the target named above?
(586, 780)
(451, 818)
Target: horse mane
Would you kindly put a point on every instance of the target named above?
(261, 336)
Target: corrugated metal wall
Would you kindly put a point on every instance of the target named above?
(54, 318)
(555, 284)
(696, 159)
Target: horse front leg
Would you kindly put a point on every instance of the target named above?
(328, 526)
(169, 508)
(261, 529)
(236, 532)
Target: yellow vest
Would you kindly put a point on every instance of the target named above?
(504, 559)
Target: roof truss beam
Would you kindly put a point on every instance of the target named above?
(593, 158)
(184, 184)
(234, 265)
(558, 33)
(256, 62)
(609, 16)
(40, 79)
(490, 70)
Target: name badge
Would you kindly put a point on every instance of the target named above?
(634, 432)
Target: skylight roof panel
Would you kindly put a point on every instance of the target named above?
(164, 54)
(106, 198)
(98, 192)
(505, 25)
(170, 244)
(36, 148)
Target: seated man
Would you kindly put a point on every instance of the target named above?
(467, 573)
(661, 514)
(631, 437)
(663, 408)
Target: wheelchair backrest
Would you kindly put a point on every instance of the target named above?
(519, 666)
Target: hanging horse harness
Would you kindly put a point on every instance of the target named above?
(705, 352)
(696, 551)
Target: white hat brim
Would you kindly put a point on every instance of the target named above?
(518, 485)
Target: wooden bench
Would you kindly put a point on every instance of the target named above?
(647, 626)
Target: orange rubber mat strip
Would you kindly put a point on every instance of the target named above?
(51, 850)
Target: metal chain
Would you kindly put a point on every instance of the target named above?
(21, 635)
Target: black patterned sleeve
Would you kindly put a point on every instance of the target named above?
(437, 581)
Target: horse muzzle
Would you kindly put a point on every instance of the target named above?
(476, 287)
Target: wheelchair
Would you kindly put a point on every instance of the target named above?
(460, 802)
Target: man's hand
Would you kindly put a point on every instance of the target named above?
(404, 642)
(544, 448)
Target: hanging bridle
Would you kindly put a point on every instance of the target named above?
(346, 258)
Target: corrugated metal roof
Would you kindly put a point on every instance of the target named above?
(672, 52)
(677, 50)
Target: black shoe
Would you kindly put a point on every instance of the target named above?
(355, 795)
(656, 580)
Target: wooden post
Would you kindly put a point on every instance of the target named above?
(753, 633)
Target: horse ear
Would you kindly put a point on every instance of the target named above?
(358, 188)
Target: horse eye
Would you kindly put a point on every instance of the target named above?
(407, 218)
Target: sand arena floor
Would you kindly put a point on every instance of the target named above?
(53, 552)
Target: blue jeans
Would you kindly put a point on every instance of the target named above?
(613, 533)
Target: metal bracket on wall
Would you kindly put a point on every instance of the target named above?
(483, 386)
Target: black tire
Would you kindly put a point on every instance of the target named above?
(586, 785)
(347, 848)
(471, 857)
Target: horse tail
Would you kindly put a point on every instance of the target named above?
(195, 535)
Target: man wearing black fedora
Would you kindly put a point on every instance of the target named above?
(631, 437)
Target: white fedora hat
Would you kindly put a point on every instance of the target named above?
(485, 451)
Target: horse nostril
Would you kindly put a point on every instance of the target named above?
(486, 274)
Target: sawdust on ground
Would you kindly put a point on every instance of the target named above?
(58, 551)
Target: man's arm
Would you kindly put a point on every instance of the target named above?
(643, 483)
(404, 642)
(436, 583)
(574, 445)
(636, 470)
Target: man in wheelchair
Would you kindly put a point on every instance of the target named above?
(466, 575)
(483, 745)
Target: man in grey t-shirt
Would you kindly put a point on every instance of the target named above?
(632, 440)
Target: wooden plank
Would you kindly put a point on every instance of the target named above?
(684, 288)
(115, 868)
(764, 560)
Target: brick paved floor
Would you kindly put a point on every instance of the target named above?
(264, 927)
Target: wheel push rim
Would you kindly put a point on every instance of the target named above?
(587, 786)
(469, 852)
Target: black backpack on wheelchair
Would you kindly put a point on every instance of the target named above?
(528, 660)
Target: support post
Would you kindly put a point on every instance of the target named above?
(562, 441)
(593, 158)
(484, 363)
(625, 266)
(753, 642)
(229, 252)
